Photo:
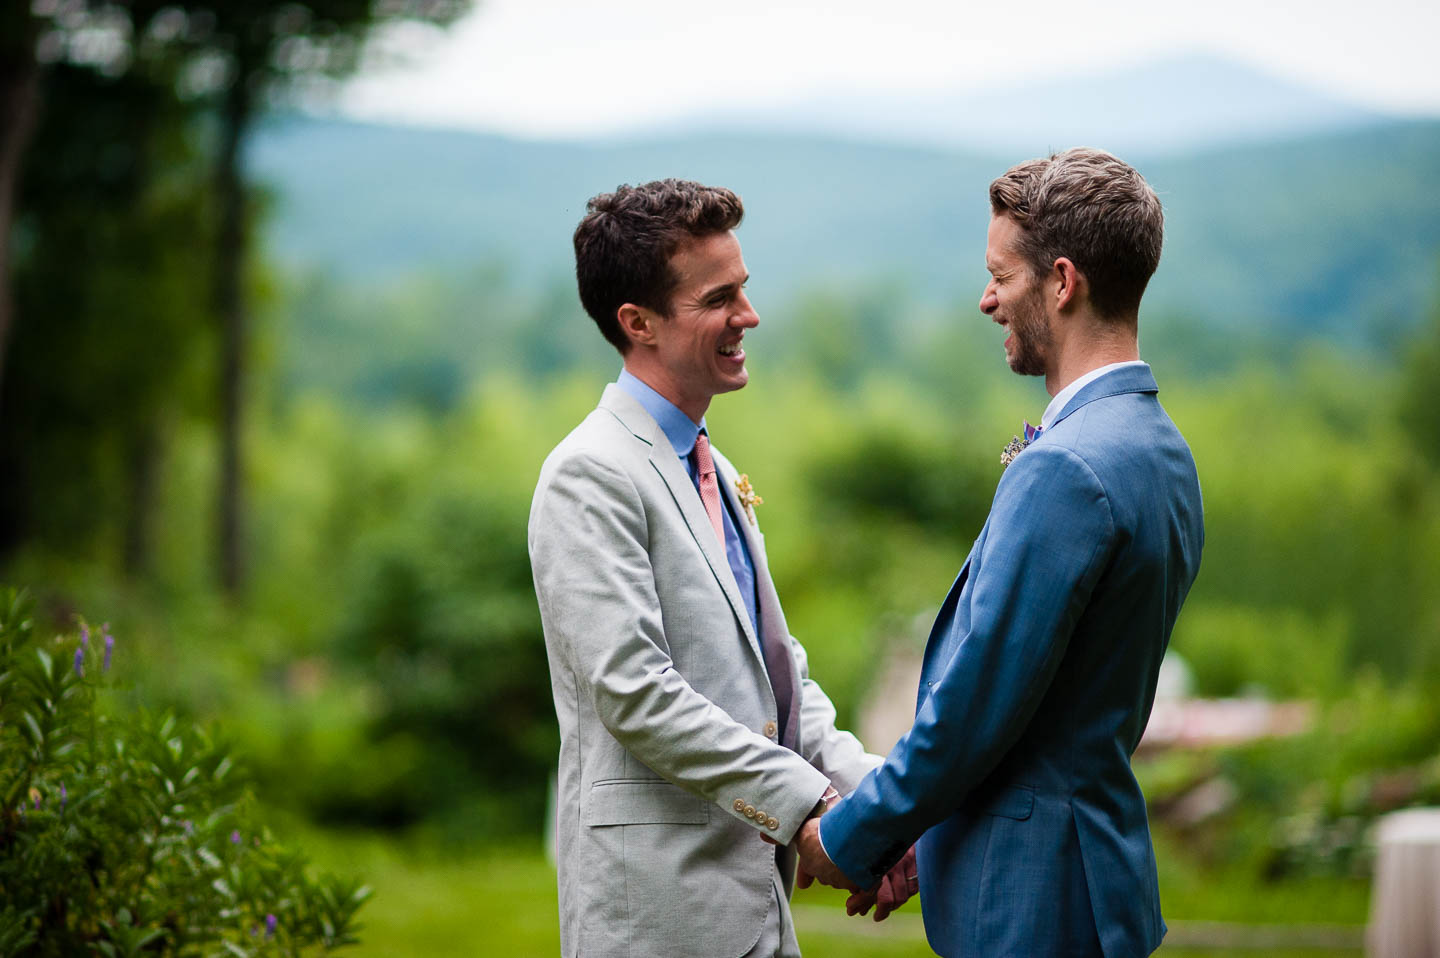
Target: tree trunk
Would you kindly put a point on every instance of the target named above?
(19, 99)
(142, 467)
(230, 309)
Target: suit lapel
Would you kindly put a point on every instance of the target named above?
(945, 618)
(767, 600)
(663, 459)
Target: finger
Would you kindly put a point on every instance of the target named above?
(803, 879)
(767, 839)
(859, 903)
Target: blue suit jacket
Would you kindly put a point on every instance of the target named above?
(1037, 683)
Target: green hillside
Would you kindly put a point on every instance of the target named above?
(1336, 236)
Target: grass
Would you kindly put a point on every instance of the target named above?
(438, 902)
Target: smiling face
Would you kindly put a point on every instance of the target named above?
(695, 353)
(1014, 299)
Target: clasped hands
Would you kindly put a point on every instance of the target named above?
(896, 888)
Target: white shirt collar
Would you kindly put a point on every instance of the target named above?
(1057, 405)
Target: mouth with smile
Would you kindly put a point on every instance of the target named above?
(733, 352)
(1003, 324)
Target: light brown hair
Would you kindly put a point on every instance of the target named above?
(1093, 209)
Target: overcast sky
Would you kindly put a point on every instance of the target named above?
(572, 68)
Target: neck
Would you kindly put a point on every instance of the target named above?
(662, 384)
(1099, 345)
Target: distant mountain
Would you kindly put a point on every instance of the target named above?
(1155, 109)
(1336, 235)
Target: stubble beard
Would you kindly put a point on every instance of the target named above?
(1030, 330)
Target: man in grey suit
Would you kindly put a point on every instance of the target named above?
(690, 730)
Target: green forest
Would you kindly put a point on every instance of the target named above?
(292, 501)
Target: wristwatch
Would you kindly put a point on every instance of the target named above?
(824, 804)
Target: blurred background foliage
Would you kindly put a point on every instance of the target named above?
(377, 654)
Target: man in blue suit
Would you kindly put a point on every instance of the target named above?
(1040, 670)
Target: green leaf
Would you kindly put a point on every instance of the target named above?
(47, 664)
(36, 735)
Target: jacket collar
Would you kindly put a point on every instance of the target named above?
(634, 417)
(1129, 379)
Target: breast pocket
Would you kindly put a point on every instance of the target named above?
(1013, 801)
(643, 802)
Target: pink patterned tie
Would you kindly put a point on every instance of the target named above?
(709, 485)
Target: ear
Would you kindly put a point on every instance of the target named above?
(637, 323)
(1069, 283)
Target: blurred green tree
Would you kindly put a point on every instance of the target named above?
(19, 83)
(245, 56)
(1419, 408)
(444, 622)
(111, 280)
(231, 58)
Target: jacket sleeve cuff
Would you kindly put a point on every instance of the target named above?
(852, 851)
(777, 812)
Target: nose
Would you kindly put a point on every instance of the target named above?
(989, 302)
(745, 317)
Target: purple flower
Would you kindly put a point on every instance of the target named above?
(64, 797)
(109, 647)
(235, 837)
(189, 826)
(84, 634)
(270, 923)
(80, 660)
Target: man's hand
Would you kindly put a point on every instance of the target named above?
(894, 890)
(814, 863)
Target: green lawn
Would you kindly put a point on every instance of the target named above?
(501, 902)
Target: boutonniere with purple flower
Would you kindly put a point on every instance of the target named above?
(749, 499)
(1016, 445)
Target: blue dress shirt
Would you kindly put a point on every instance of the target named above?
(681, 430)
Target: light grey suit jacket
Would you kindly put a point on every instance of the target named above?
(670, 765)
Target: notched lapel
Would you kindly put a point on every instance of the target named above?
(682, 490)
(632, 415)
(767, 601)
(945, 618)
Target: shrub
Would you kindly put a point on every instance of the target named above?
(126, 834)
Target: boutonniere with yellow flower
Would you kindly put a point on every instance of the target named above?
(1016, 445)
(749, 499)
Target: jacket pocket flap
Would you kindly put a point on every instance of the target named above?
(645, 802)
(1014, 801)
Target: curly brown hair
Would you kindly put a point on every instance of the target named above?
(624, 244)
